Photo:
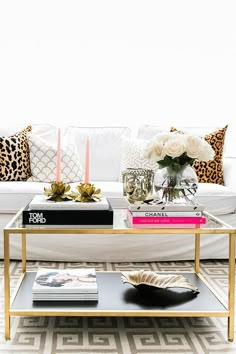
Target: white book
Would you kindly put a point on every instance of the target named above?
(40, 202)
(45, 226)
(166, 213)
(65, 297)
(156, 205)
(64, 281)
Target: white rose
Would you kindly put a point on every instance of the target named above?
(154, 151)
(207, 152)
(175, 146)
(193, 146)
(162, 137)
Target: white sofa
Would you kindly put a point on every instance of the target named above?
(111, 150)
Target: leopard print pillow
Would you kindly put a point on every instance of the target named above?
(14, 157)
(211, 171)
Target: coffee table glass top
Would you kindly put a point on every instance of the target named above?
(213, 225)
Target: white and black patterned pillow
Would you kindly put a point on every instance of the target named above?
(43, 161)
(132, 155)
(14, 157)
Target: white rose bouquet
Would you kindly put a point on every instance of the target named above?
(177, 150)
(174, 153)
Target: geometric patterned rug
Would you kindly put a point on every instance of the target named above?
(119, 335)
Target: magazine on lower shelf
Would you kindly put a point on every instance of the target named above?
(65, 284)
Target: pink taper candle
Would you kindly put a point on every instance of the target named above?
(86, 169)
(58, 165)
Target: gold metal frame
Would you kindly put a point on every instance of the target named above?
(223, 228)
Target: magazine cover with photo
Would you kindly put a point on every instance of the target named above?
(63, 280)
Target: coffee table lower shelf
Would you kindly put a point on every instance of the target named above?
(118, 299)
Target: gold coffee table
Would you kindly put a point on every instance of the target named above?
(116, 298)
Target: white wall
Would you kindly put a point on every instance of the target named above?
(118, 62)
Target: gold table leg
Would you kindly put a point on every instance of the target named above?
(197, 254)
(23, 252)
(231, 287)
(6, 284)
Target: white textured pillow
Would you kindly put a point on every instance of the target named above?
(105, 149)
(132, 155)
(43, 161)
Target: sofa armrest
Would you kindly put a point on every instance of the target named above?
(230, 172)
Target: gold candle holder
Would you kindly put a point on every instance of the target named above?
(86, 192)
(58, 192)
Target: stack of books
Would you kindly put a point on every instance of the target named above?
(41, 212)
(65, 285)
(154, 215)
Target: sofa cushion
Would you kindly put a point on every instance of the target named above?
(218, 199)
(8, 130)
(14, 157)
(105, 149)
(43, 130)
(211, 171)
(43, 161)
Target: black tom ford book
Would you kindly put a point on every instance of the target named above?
(68, 217)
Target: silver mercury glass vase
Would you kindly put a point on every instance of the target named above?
(137, 184)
